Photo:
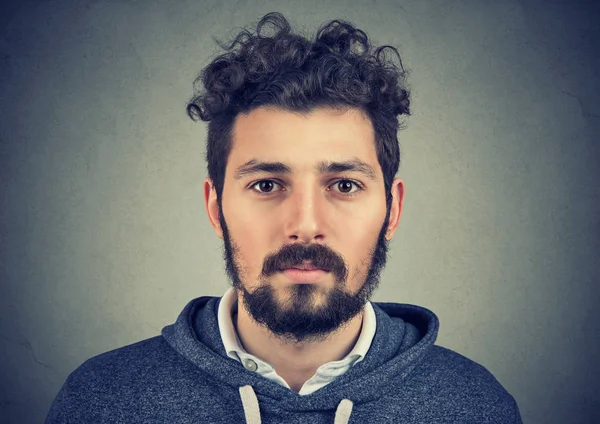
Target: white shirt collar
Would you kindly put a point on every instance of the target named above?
(325, 373)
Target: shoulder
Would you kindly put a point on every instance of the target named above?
(115, 367)
(112, 380)
(467, 388)
(113, 364)
(450, 366)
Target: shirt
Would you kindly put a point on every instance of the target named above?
(324, 375)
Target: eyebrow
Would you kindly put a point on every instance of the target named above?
(354, 164)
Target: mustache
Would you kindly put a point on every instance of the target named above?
(292, 255)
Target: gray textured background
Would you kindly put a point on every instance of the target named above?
(104, 232)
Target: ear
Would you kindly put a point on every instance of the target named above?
(212, 206)
(396, 207)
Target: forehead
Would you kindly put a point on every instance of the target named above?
(324, 134)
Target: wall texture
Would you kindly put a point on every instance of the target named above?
(104, 235)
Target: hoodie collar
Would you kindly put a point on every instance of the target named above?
(403, 337)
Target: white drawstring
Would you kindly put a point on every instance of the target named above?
(252, 411)
(250, 403)
(344, 409)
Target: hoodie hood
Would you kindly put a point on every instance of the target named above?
(185, 377)
(404, 335)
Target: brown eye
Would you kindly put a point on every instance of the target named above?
(345, 186)
(264, 187)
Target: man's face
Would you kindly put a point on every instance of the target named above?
(335, 219)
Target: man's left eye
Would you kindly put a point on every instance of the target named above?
(346, 185)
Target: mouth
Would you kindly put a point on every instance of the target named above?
(307, 266)
(305, 273)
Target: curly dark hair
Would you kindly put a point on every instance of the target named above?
(288, 72)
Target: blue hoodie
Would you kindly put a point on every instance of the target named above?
(185, 376)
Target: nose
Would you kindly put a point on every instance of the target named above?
(306, 213)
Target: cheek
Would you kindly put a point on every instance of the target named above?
(365, 227)
(241, 218)
(250, 232)
(362, 240)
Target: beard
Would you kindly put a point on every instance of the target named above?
(299, 321)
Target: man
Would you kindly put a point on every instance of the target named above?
(302, 153)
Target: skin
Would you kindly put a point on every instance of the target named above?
(304, 216)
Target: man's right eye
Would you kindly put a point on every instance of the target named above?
(264, 187)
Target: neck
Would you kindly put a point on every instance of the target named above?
(295, 363)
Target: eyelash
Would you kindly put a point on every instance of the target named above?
(357, 184)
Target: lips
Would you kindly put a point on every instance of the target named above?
(307, 266)
(305, 276)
